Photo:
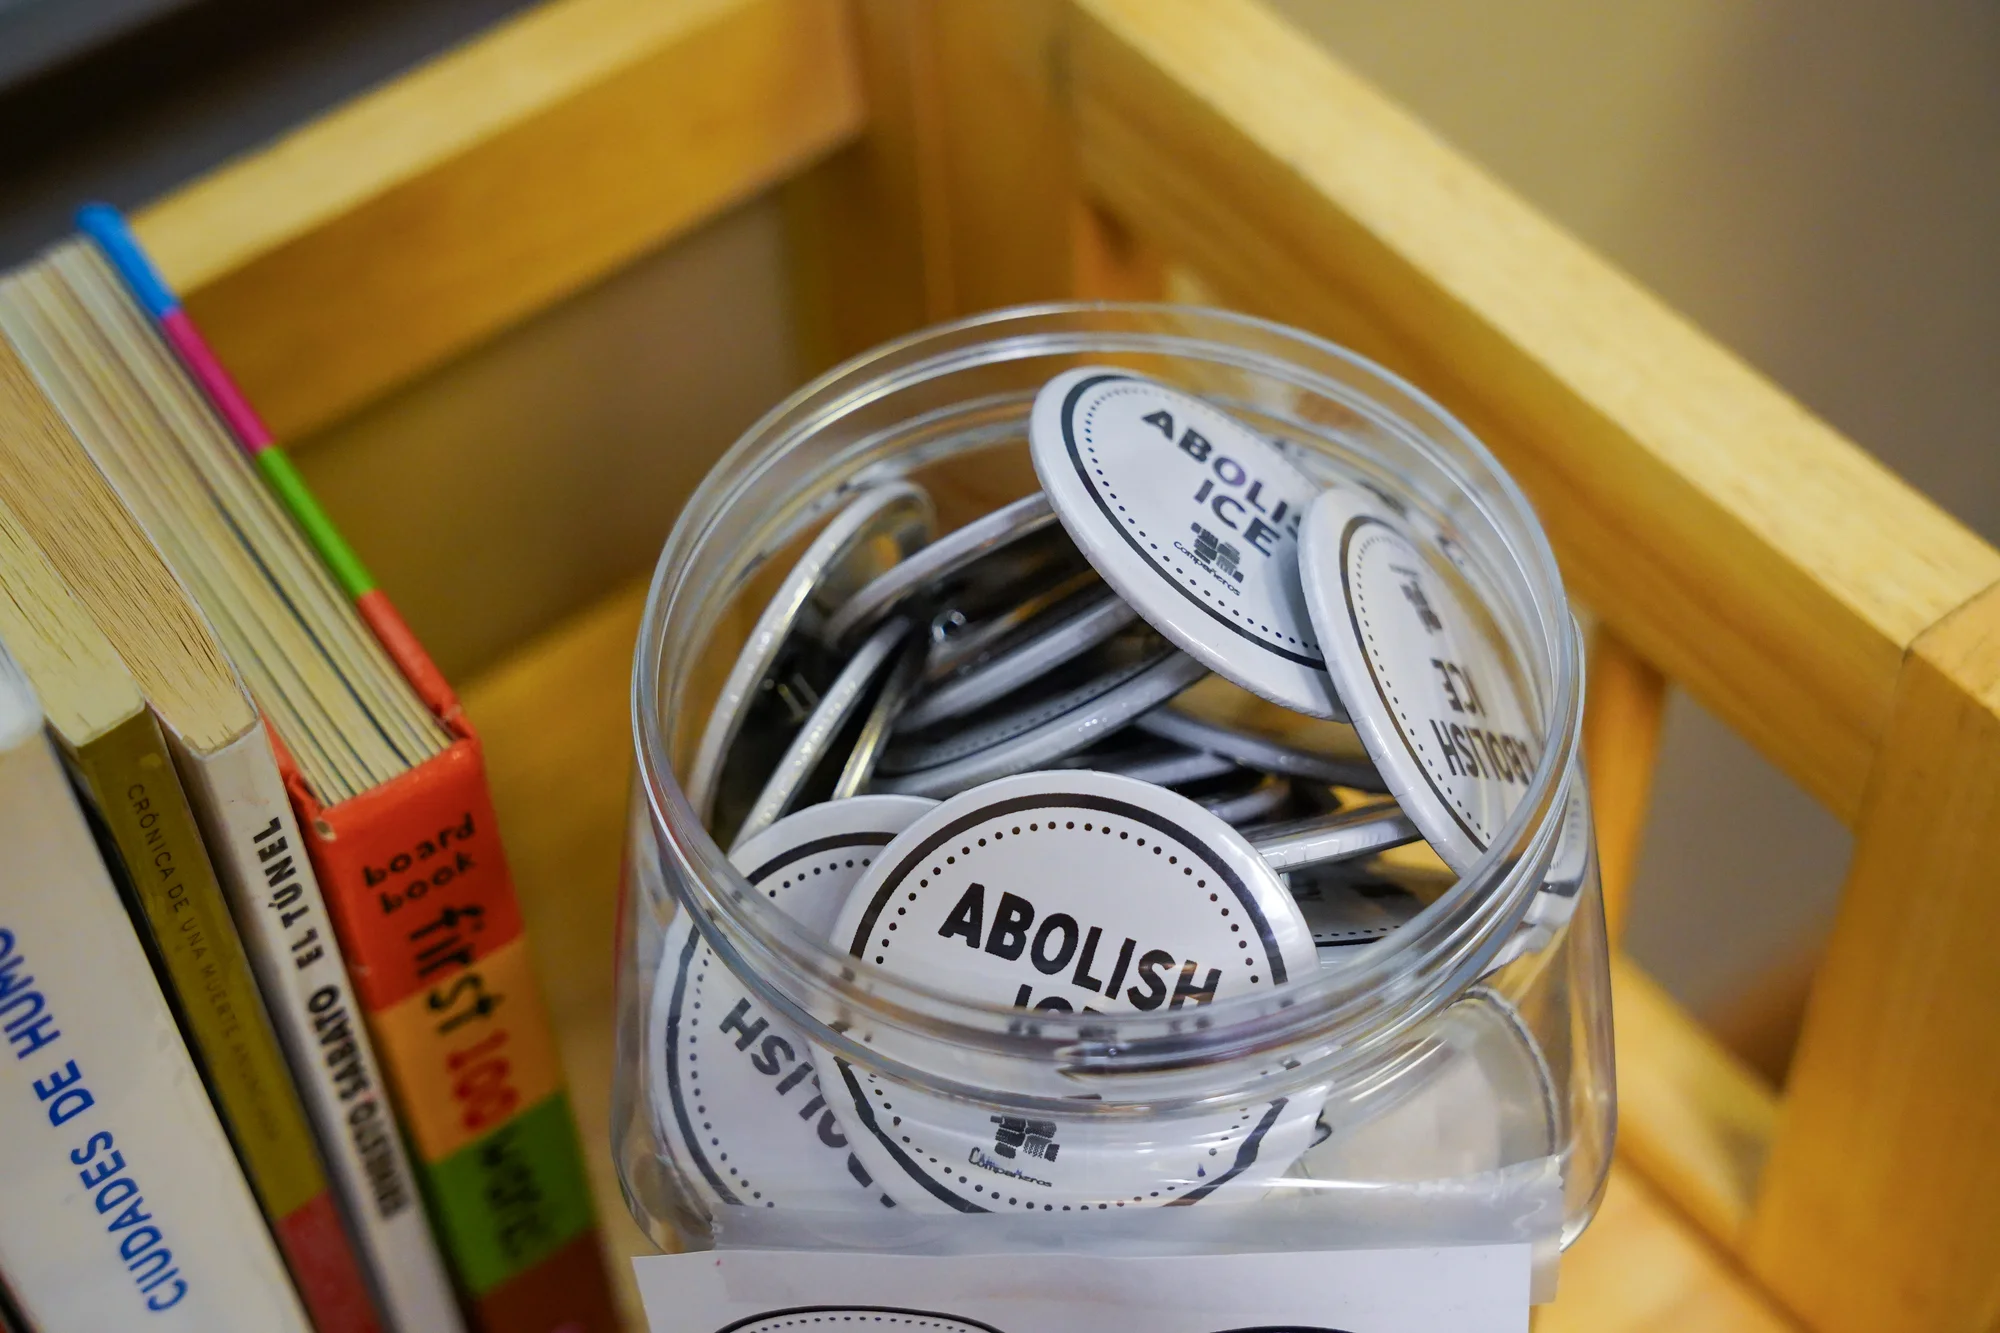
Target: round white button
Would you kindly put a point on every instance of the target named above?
(1074, 892)
(821, 1318)
(1430, 693)
(824, 727)
(1004, 533)
(1193, 519)
(735, 1093)
(1065, 710)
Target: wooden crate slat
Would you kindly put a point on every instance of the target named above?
(867, 259)
(1624, 701)
(1879, 1206)
(407, 225)
(1641, 1269)
(1692, 1118)
(1728, 535)
(959, 195)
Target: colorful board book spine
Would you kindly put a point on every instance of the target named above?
(425, 911)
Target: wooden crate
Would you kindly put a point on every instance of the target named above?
(935, 159)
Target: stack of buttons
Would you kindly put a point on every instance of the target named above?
(1149, 736)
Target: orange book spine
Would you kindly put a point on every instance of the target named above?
(421, 900)
(418, 888)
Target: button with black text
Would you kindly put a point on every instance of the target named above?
(1193, 519)
(734, 1089)
(1074, 892)
(1432, 695)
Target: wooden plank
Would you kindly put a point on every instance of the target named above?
(869, 254)
(1010, 172)
(1624, 701)
(1112, 262)
(1878, 1207)
(1641, 1269)
(1726, 534)
(961, 194)
(556, 722)
(1692, 1118)
(409, 224)
(501, 493)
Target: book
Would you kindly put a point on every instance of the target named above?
(297, 956)
(246, 818)
(124, 1204)
(388, 782)
(200, 724)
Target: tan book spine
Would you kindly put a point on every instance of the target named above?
(130, 777)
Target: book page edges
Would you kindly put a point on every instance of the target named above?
(396, 856)
(400, 642)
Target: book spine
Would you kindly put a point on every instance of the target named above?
(131, 780)
(497, 1144)
(124, 1206)
(425, 910)
(246, 818)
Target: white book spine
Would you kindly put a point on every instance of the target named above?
(247, 822)
(123, 1204)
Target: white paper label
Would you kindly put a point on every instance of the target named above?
(1426, 688)
(1192, 518)
(1459, 1289)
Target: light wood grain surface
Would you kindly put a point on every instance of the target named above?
(1641, 1269)
(1729, 536)
(377, 241)
(1692, 1119)
(1625, 698)
(868, 253)
(959, 195)
(1879, 1207)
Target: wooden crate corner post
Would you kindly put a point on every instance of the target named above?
(1880, 1208)
(962, 193)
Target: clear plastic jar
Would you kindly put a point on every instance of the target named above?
(1464, 1060)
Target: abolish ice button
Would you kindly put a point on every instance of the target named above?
(1431, 692)
(1071, 891)
(1074, 891)
(1193, 519)
(734, 1089)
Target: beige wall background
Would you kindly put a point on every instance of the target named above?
(1816, 184)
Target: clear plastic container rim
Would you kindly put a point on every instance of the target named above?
(1313, 1028)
